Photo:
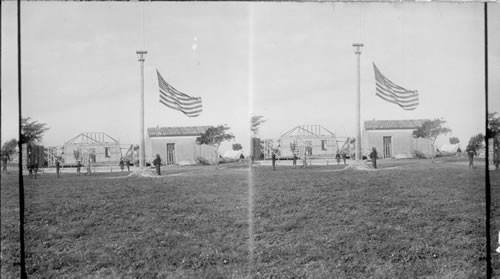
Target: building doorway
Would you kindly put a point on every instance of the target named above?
(170, 153)
(309, 149)
(387, 142)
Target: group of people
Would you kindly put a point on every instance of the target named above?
(33, 168)
(124, 163)
(304, 160)
(78, 167)
(156, 163)
(471, 153)
(342, 155)
(338, 156)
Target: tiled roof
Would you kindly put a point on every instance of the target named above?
(177, 131)
(393, 124)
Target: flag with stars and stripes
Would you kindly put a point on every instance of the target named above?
(174, 99)
(393, 93)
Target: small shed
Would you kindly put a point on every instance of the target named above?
(394, 138)
(177, 145)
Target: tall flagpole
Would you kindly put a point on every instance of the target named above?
(357, 51)
(141, 54)
(489, 269)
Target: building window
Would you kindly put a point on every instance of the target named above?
(107, 152)
(323, 144)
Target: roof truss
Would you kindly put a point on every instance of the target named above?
(92, 138)
(308, 130)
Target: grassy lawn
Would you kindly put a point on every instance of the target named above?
(495, 220)
(412, 219)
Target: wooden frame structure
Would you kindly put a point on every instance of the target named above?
(54, 154)
(92, 137)
(313, 140)
(91, 148)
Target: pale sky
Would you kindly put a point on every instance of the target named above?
(293, 63)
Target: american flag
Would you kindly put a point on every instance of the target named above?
(174, 99)
(393, 93)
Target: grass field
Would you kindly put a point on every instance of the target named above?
(409, 219)
(495, 221)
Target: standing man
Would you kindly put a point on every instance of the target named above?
(337, 156)
(157, 163)
(344, 157)
(58, 167)
(127, 162)
(122, 164)
(471, 152)
(36, 168)
(89, 170)
(304, 159)
(5, 159)
(30, 169)
(496, 152)
(273, 157)
(373, 156)
(78, 166)
(496, 157)
(294, 160)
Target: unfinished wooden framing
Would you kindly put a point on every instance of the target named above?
(313, 140)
